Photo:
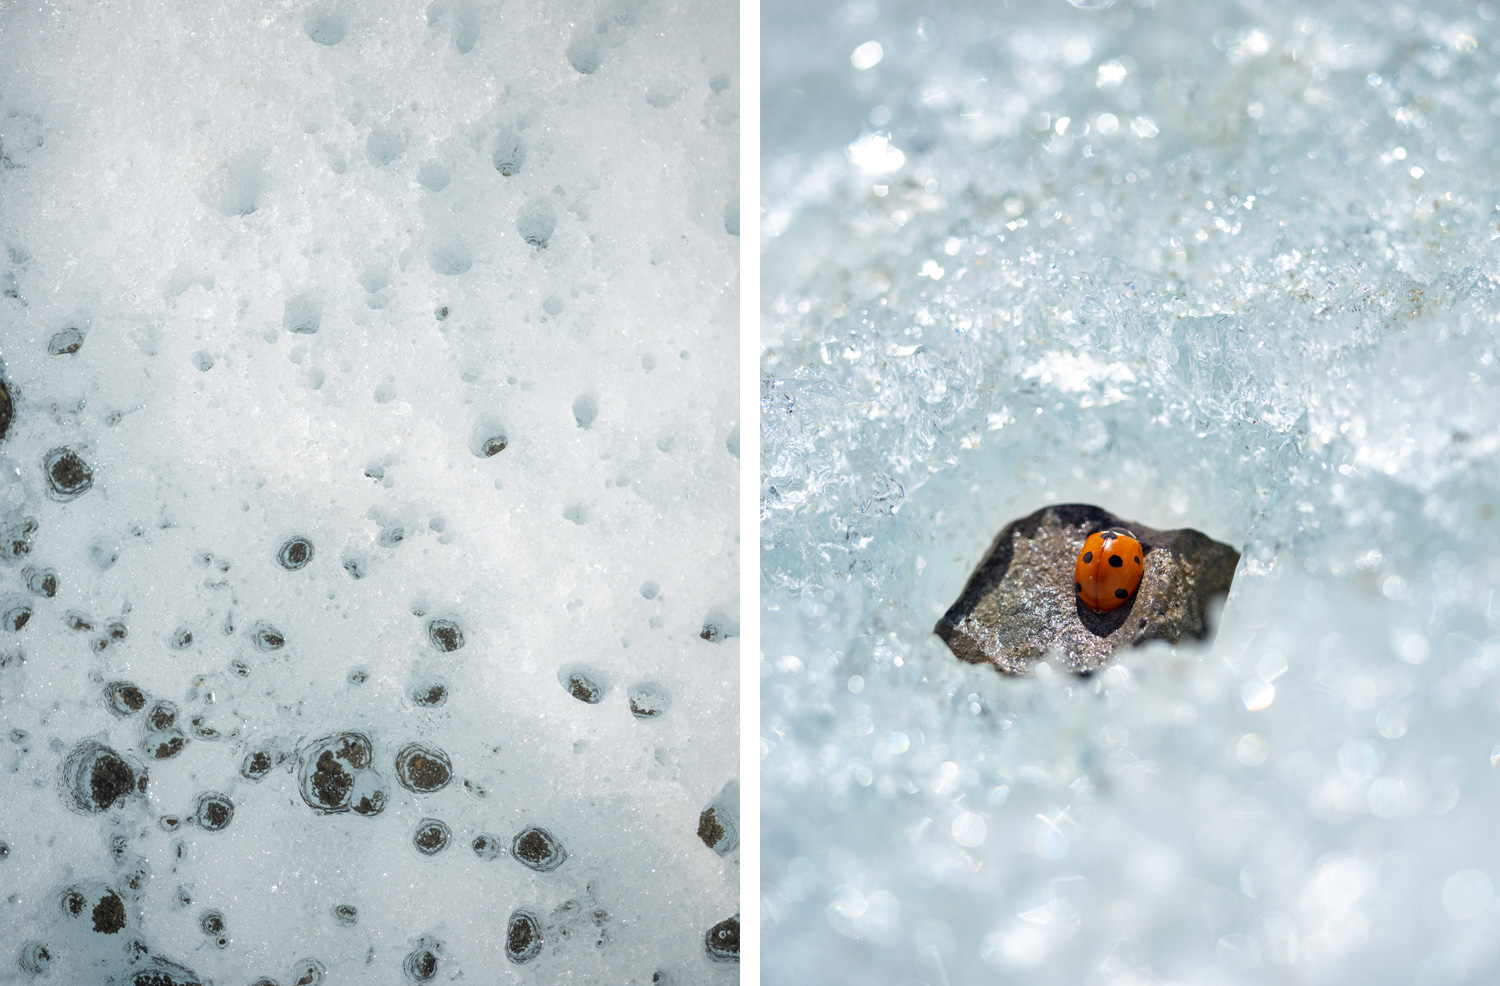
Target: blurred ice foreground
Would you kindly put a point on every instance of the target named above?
(1227, 266)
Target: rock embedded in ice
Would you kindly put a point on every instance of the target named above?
(68, 476)
(213, 811)
(124, 698)
(718, 625)
(537, 849)
(16, 537)
(421, 964)
(95, 777)
(35, 958)
(1020, 603)
(15, 612)
(330, 768)
(423, 769)
(445, 635)
(523, 937)
(266, 637)
(432, 836)
(722, 941)
(65, 341)
(256, 765)
(429, 694)
(648, 700)
(40, 581)
(719, 823)
(295, 553)
(160, 972)
(586, 686)
(211, 922)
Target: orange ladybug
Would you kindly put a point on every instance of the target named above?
(1109, 570)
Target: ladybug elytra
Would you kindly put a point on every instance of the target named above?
(1109, 570)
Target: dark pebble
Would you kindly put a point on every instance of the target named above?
(65, 341)
(125, 698)
(431, 837)
(329, 768)
(15, 537)
(96, 777)
(213, 811)
(211, 922)
(68, 476)
(295, 553)
(537, 849)
(523, 937)
(40, 581)
(722, 941)
(1021, 602)
(423, 769)
(266, 637)
(647, 700)
(421, 965)
(584, 686)
(445, 635)
(35, 958)
(15, 613)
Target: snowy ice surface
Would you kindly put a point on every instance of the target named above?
(1222, 265)
(447, 291)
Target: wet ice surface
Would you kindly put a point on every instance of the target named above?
(326, 460)
(1221, 266)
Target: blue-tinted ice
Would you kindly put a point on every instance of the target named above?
(1229, 266)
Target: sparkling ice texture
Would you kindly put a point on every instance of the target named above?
(1226, 266)
(371, 363)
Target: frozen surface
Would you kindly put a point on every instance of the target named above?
(1228, 266)
(372, 367)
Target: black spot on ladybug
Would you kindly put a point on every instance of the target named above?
(1115, 561)
(1088, 557)
(1078, 587)
(1137, 559)
(1121, 594)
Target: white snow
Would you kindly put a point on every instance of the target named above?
(312, 303)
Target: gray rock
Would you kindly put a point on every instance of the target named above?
(1020, 604)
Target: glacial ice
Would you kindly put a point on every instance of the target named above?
(1228, 266)
(300, 515)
